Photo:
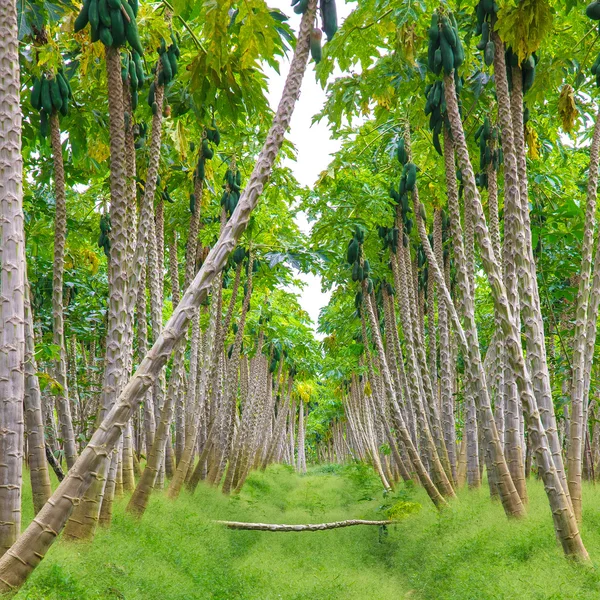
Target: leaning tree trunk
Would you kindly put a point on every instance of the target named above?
(60, 233)
(35, 541)
(12, 282)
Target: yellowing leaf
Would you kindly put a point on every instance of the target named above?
(98, 150)
(368, 390)
(524, 25)
(533, 142)
(566, 108)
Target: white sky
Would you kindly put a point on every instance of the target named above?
(313, 142)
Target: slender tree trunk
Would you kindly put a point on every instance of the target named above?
(35, 541)
(36, 448)
(12, 282)
(564, 518)
(578, 426)
(60, 233)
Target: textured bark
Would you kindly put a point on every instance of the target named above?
(63, 406)
(12, 282)
(32, 545)
(578, 425)
(441, 488)
(515, 175)
(564, 518)
(446, 395)
(85, 518)
(34, 424)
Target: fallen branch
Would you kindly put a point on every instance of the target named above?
(309, 527)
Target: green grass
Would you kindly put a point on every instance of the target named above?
(470, 551)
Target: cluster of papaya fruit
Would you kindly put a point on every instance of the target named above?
(435, 109)
(527, 68)
(389, 236)
(445, 46)
(276, 354)
(132, 71)
(593, 12)
(360, 271)
(329, 25)
(206, 151)
(486, 11)
(232, 189)
(487, 138)
(113, 22)
(167, 70)
(103, 240)
(50, 94)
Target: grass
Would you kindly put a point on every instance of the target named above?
(470, 551)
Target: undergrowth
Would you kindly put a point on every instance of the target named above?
(469, 551)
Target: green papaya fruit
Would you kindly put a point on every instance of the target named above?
(154, 108)
(134, 6)
(166, 67)
(352, 253)
(36, 94)
(105, 36)
(63, 86)
(329, 17)
(115, 4)
(447, 55)
(94, 14)
(104, 13)
(151, 94)
(401, 151)
(437, 62)
(139, 68)
(46, 98)
(315, 45)
(83, 17)
(172, 61)
(300, 7)
(411, 176)
(488, 55)
(131, 30)
(44, 123)
(117, 27)
(593, 11)
(434, 30)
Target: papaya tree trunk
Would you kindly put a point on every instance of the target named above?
(63, 406)
(12, 281)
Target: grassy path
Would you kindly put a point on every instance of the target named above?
(468, 552)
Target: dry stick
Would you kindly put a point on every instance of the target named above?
(564, 519)
(308, 527)
(27, 552)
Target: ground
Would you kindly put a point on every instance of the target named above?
(469, 551)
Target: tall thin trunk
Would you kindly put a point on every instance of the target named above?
(60, 233)
(35, 541)
(36, 448)
(12, 282)
(564, 518)
(578, 426)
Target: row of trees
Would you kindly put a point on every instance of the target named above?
(475, 289)
(159, 352)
